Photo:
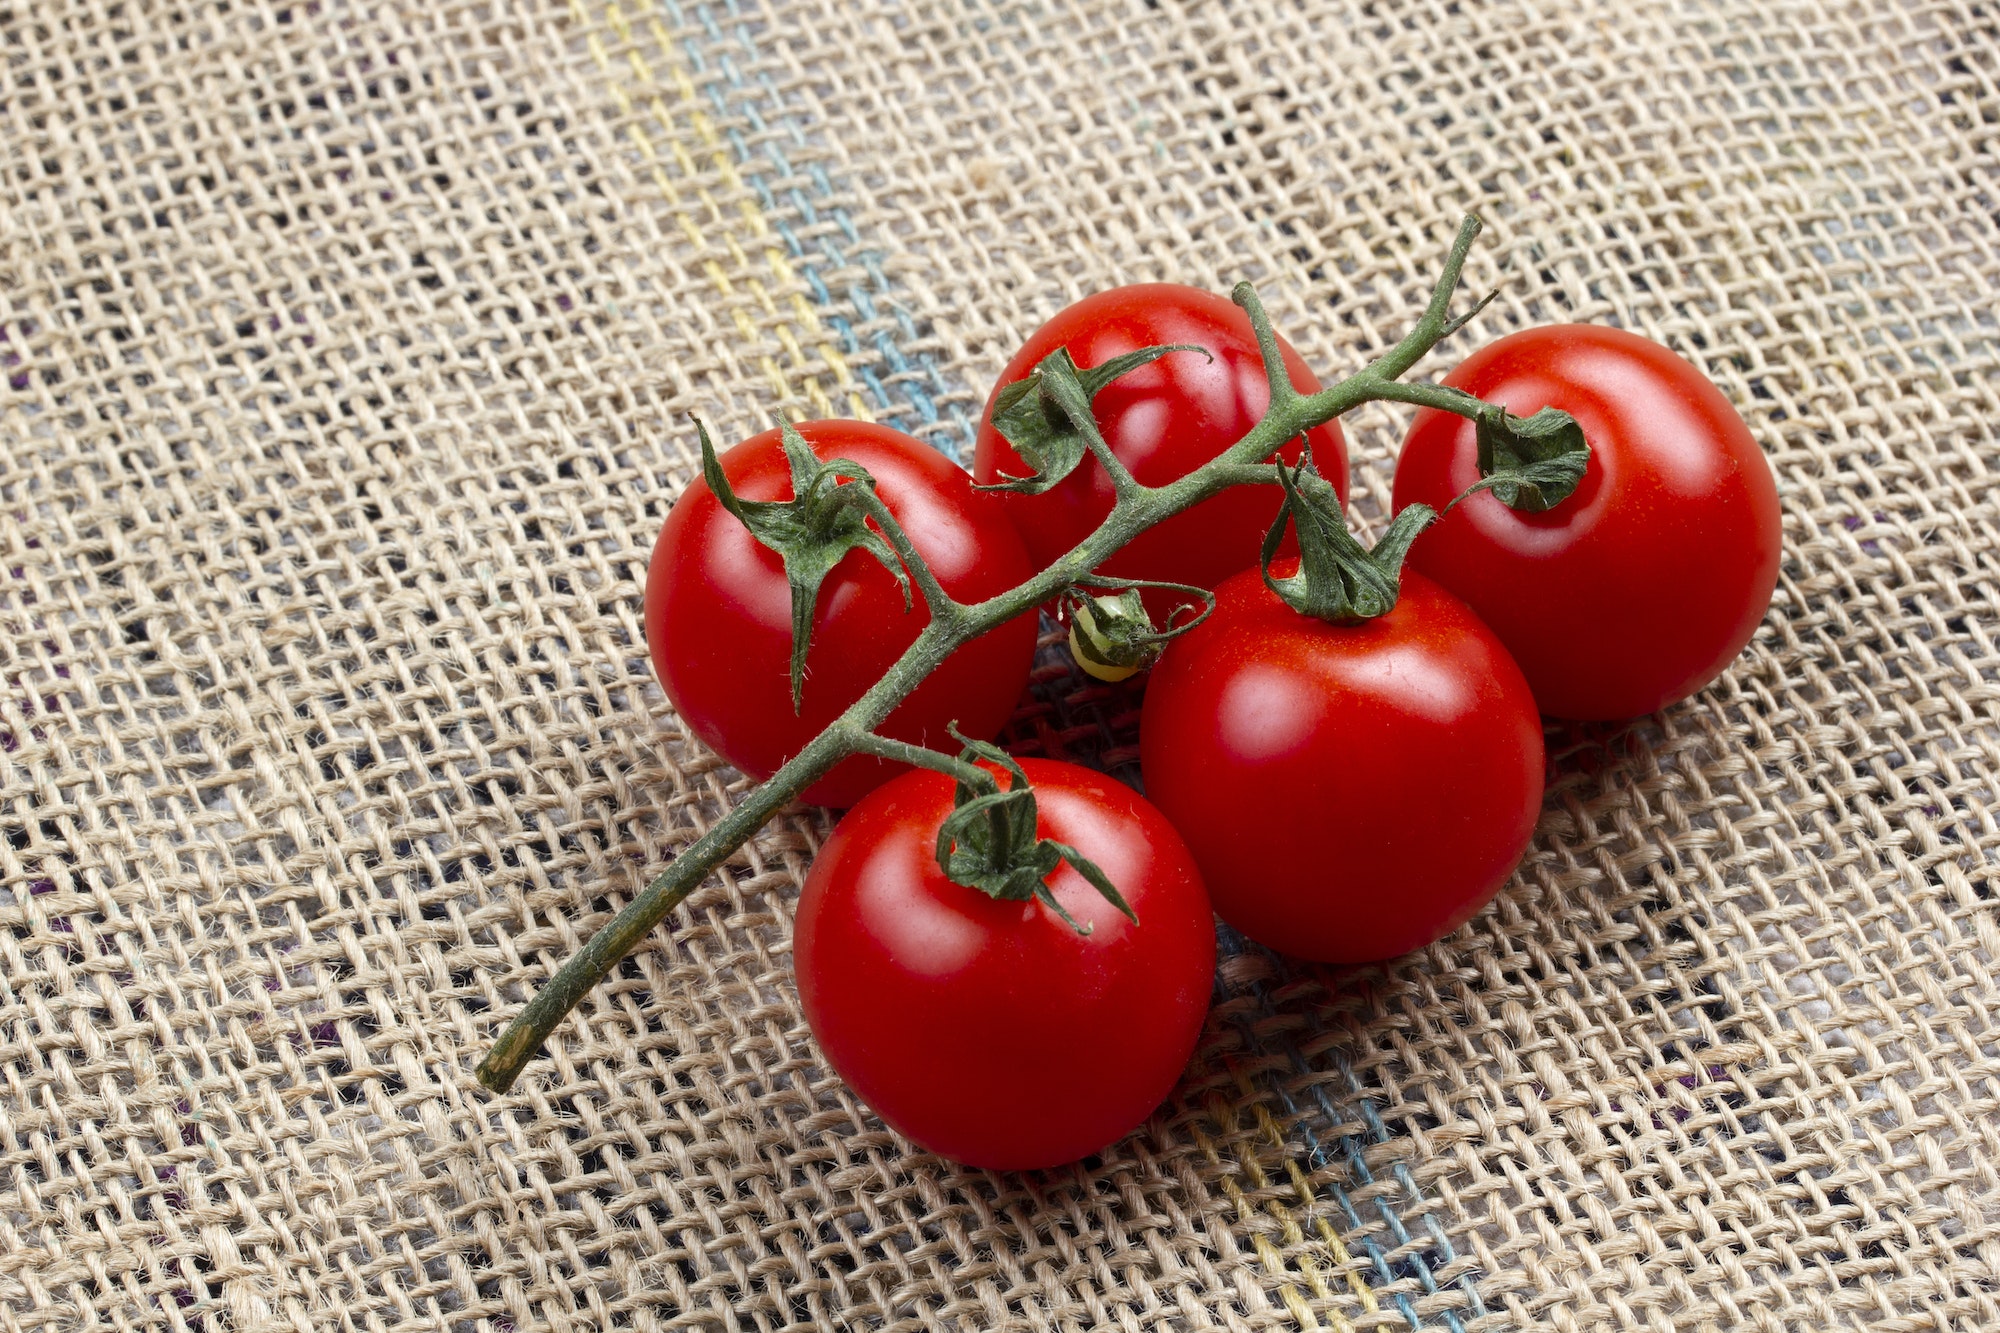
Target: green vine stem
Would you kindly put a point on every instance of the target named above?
(954, 624)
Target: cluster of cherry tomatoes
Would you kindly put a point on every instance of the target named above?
(1339, 792)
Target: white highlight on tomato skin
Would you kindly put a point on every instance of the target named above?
(922, 939)
(1269, 713)
(1143, 430)
(1260, 711)
(1416, 681)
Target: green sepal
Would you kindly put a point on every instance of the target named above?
(989, 842)
(1531, 463)
(1047, 419)
(1338, 580)
(812, 532)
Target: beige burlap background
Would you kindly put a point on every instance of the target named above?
(347, 351)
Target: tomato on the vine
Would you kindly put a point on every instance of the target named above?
(1351, 792)
(1162, 421)
(718, 611)
(1642, 586)
(991, 1031)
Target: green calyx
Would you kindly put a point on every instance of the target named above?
(812, 532)
(1338, 580)
(989, 840)
(1046, 417)
(1112, 635)
(1531, 463)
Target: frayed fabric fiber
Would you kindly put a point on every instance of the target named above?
(348, 356)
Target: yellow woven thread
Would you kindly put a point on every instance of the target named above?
(644, 84)
(1302, 1187)
(1288, 1225)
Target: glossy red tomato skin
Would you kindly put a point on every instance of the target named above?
(718, 611)
(1643, 586)
(1162, 421)
(1353, 792)
(990, 1032)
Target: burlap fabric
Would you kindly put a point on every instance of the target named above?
(347, 353)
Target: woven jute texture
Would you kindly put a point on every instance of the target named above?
(348, 353)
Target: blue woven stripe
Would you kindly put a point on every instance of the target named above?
(721, 41)
(1418, 1263)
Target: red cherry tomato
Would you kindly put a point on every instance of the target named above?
(991, 1032)
(718, 611)
(1163, 421)
(1646, 583)
(1351, 792)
